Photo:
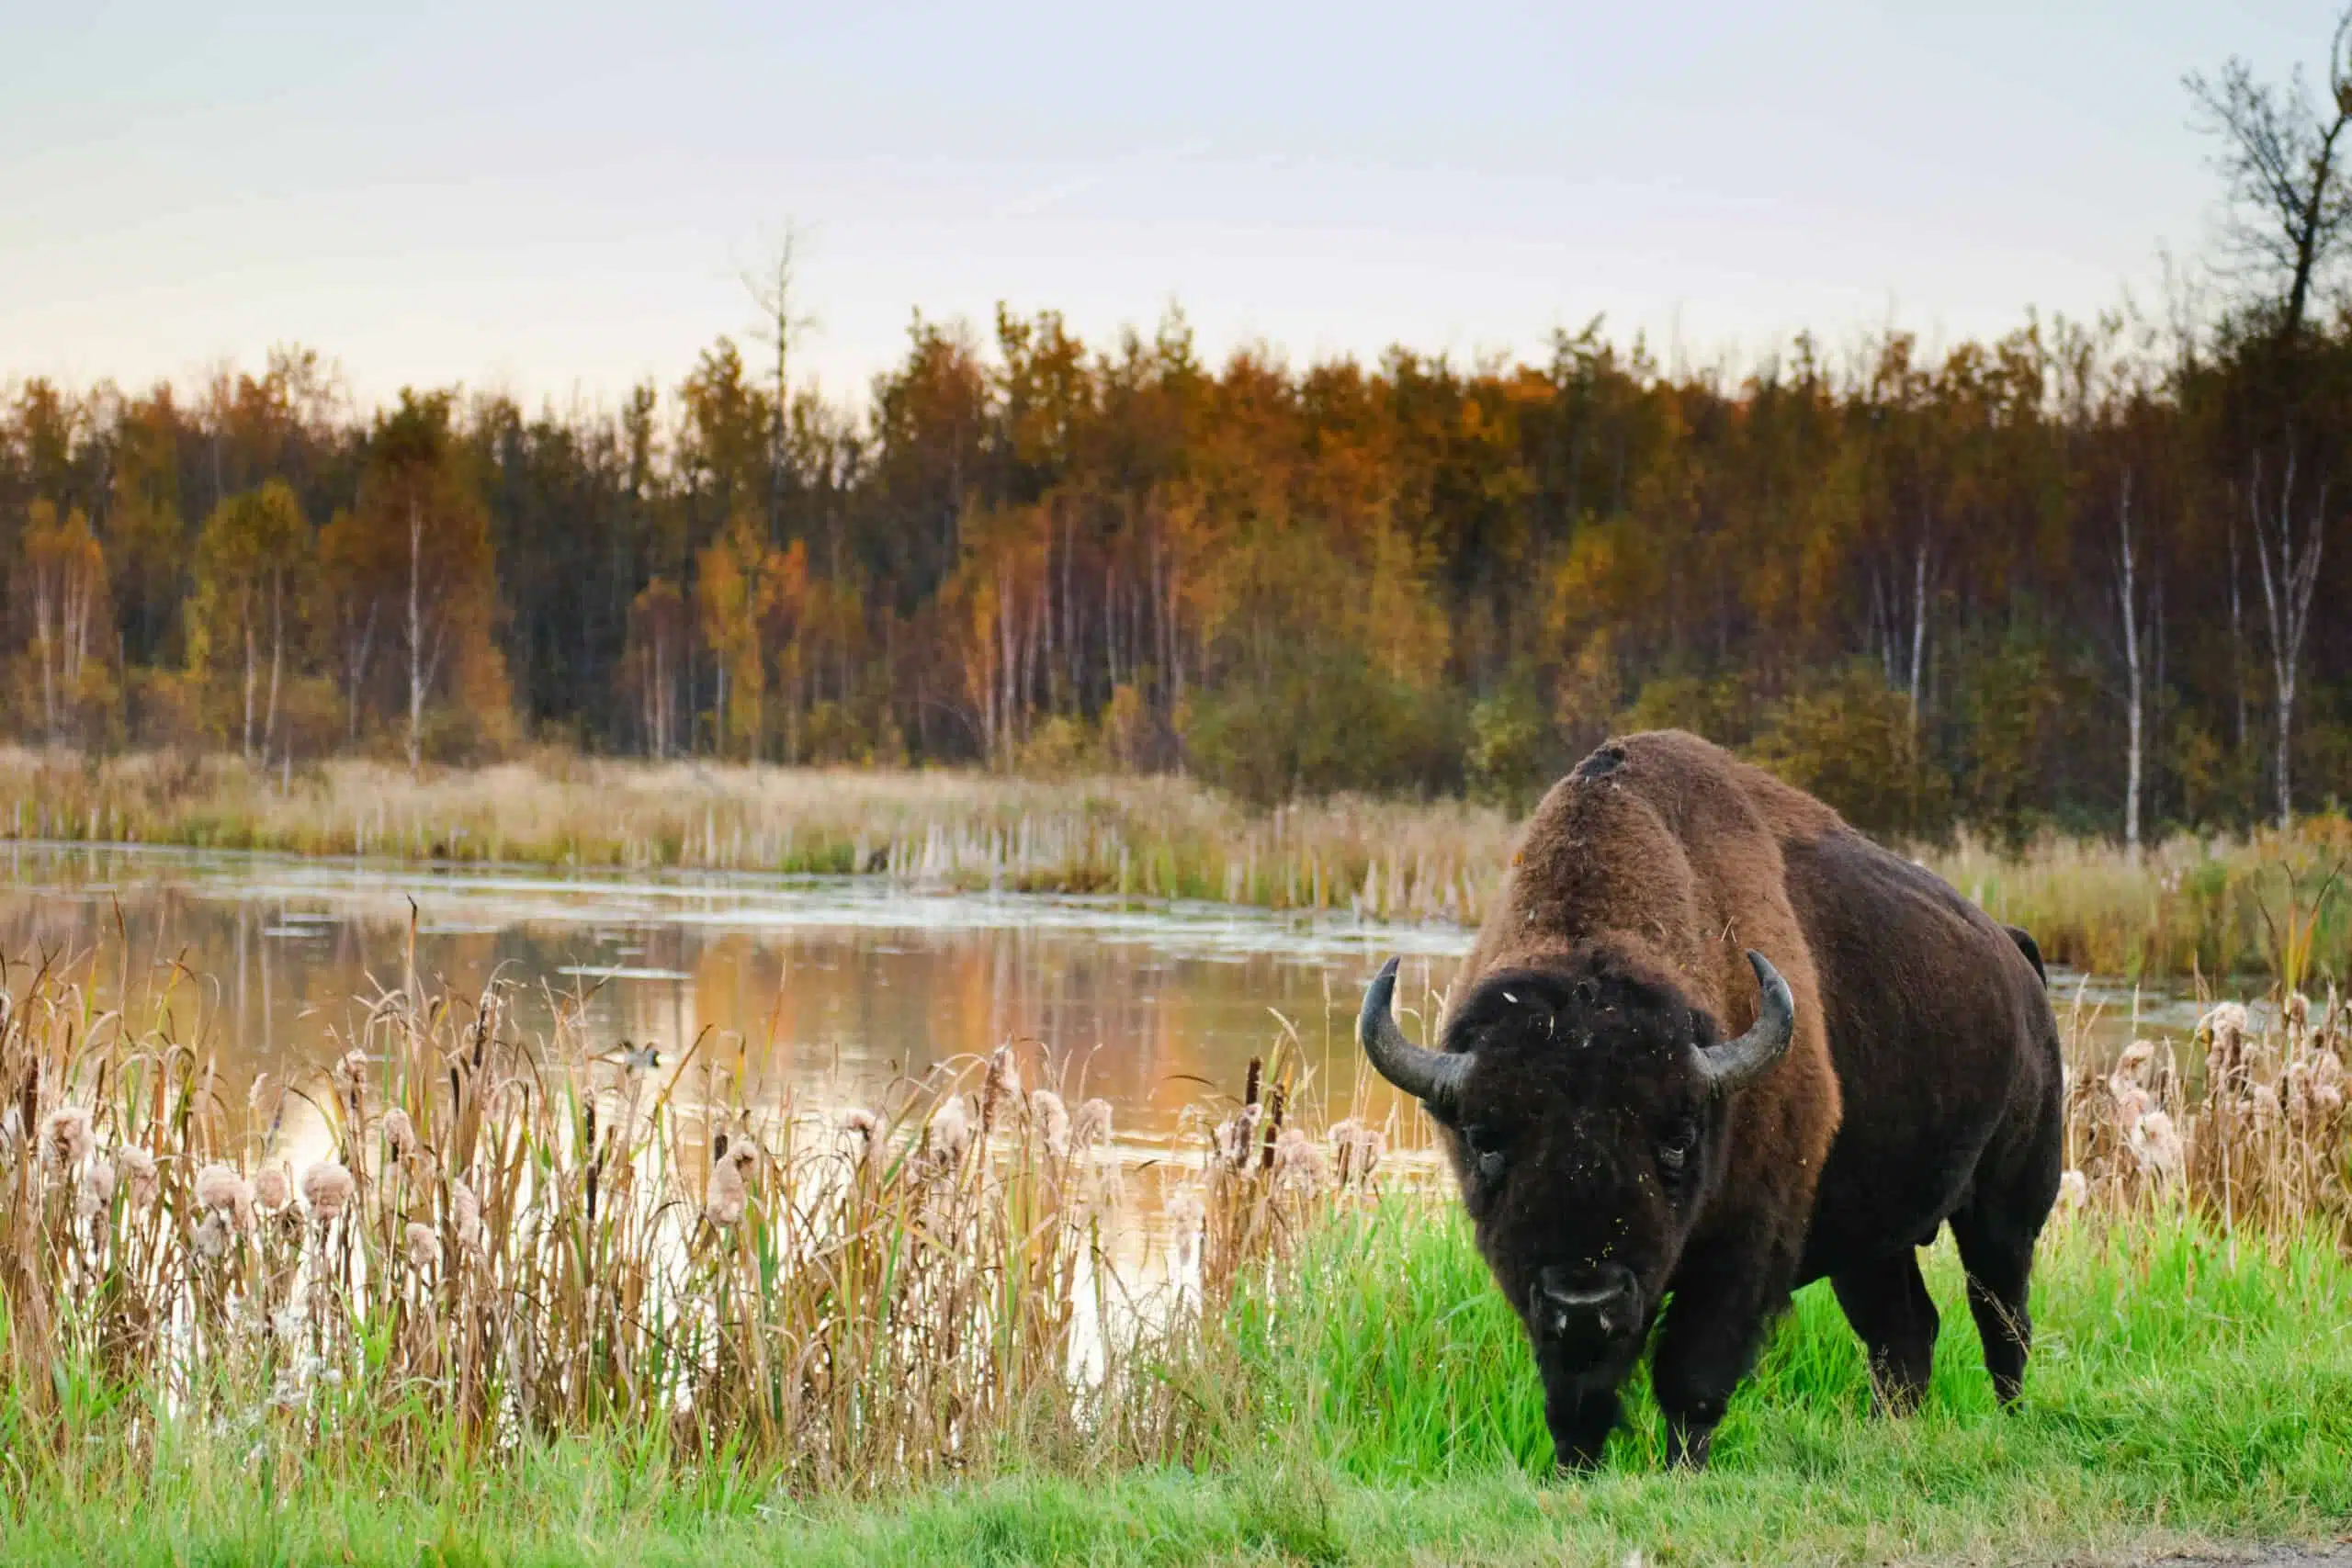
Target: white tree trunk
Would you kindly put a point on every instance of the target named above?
(246, 745)
(2129, 593)
(415, 634)
(1918, 621)
(276, 659)
(2289, 572)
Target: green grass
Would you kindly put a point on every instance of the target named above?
(1381, 1409)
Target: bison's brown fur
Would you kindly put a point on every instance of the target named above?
(1921, 1085)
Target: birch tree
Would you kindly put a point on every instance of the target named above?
(2288, 540)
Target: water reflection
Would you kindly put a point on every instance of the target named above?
(854, 984)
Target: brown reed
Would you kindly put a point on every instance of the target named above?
(490, 1238)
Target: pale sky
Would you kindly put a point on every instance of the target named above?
(556, 199)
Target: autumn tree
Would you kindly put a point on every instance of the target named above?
(60, 603)
(253, 562)
(427, 533)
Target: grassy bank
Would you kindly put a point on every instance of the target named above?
(469, 1297)
(2191, 906)
(1384, 1413)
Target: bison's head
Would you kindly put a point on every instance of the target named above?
(1586, 1112)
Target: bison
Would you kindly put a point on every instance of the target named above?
(1713, 1044)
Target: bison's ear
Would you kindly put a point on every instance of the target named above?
(1434, 1077)
(1737, 1063)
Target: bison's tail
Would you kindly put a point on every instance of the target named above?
(2031, 948)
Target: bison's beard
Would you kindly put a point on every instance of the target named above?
(1580, 1402)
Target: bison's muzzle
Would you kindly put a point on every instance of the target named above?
(1584, 1315)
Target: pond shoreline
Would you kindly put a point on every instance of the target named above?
(2193, 903)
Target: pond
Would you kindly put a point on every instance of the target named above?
(852, 982)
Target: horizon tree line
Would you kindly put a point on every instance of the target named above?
(2078, 575)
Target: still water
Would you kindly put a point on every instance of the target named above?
(849, 983)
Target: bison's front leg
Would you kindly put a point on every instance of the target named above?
(1708, 1342)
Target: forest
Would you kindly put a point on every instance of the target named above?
(2074, 578)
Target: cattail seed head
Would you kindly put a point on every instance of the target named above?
(65, 1135)
(728, 1197)
(400, 1135)
(271, 1190)
(1051, 1117)
(135, 1168)
(2074, 1191)
(423, 1246)
(465, 1209)
(1003, 1083)
(1358, 1149)
(95, 1195)
(2155, 1144)
(220, 1190)
(1299, 1166)
(1091, 1126)
(327, 1188)
(948, 1134)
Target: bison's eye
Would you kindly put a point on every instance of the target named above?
(1675, 1152)
(1486, 1153)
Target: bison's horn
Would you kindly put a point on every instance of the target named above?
(1433, 1077)
(1739, 1063)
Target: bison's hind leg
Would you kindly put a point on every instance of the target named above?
(1996, 1233)
(1888, 1305)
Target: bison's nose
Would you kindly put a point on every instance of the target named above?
(1593, 1308)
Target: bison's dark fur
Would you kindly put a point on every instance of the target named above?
(1612, 1184)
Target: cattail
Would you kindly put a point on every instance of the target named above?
(1091, 1126)
(400, 1136)
(2156, 1146)
(327, 1188)
(95, 1193)
(350, 1075)
(263, 1096)
(859, 1134)
(2074, 1191)
(2224, 1031)
(2131, 1102)
(65, 1135)
(1359, 1149)
(2324, 1083)
(423, 1246)
(725, 1203)
(271, 1190)
(1299, 1166)
(465, 1209)
(2132, 1068)
(1236, 1136)
(135, 1168)
(948, 1134)
(1052, 1120)
(2262, 1102)
(220, 1190)
(1003, 1082)
(1188, 1215)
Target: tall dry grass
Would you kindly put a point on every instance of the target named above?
(2245, 1126)
(1152, 837)
(456, 1239)
(2193, 904)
